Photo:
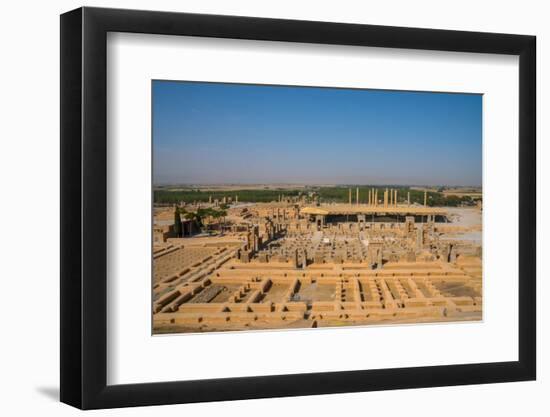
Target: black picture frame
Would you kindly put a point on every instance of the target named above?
(84, 207)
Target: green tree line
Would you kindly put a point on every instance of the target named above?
(189, 196)
(325, 194)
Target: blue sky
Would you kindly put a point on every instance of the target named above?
(206, 133)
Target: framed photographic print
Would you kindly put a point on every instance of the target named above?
(258, 207)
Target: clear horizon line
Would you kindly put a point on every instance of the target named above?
(311, 184)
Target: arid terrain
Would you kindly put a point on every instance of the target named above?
(300, 261)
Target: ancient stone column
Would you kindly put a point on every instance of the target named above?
(349, 192)
(425, 198)
(395, 199)
(256, 238)
(408, 198)
(409, 224)
(369, 200)
(296, 259)
(379, 260)
(419, 238)
(357, 195)
(447, 253)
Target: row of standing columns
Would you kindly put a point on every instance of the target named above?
(224, 199)
(390, 197)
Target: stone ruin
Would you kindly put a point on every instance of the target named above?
(279, 266)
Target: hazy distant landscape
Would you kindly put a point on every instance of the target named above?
(437, 196)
